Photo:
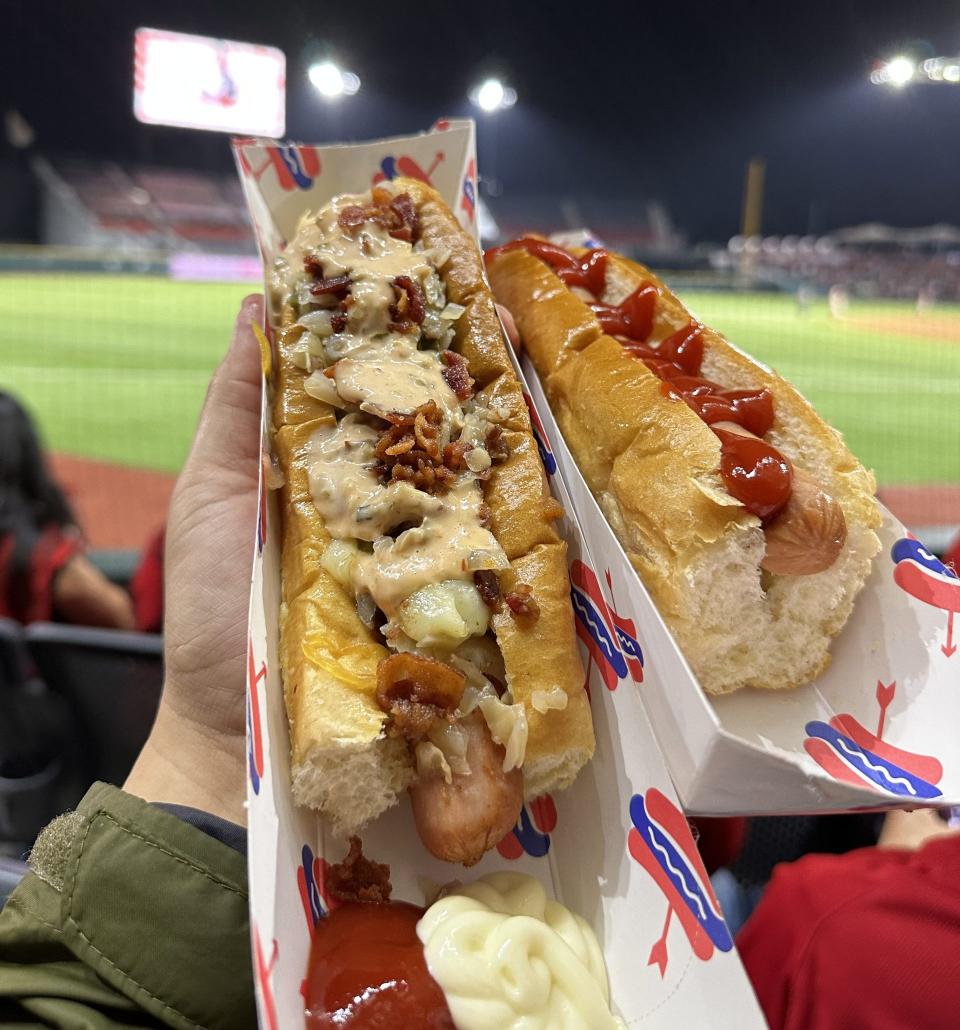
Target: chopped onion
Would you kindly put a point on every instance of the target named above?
(544, 701)
(477, 459)
(452, 312)
(452, 741)
(508, 727)
(317, 322)
(433, 326)
(324, 389)
(481, 559)
(431, 760)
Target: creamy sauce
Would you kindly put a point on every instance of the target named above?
(374, 371)
(432, 552)
(395, 378)
(345, 489)
(505, 955)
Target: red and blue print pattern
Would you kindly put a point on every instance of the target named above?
(296, 167)
(255, 759)
(852, 754)
(923, 576)
(263, 970)
(661, 842)
(394, 167)
(468, 197)
(531, 835)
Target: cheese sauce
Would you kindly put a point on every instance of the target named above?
(506, 955)
(374, 372)
(437, 550)
(396, 377)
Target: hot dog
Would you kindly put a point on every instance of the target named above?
(497, 952)
(427, 639)
(746, 517)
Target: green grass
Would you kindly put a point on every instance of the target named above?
(115, 367)
(895, 396)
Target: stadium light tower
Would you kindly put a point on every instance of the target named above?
(492, 95)
(332, 82)
(902, 70)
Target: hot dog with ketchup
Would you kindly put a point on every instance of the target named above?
(427, 639)
(748, 520)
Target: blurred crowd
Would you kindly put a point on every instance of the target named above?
(893, 272)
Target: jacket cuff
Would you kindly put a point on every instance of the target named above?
(158, 909)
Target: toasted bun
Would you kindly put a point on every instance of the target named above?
(342, 762)
(653, 466)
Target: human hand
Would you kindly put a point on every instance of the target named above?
(195, 753)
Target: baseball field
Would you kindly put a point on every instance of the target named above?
(115, 367)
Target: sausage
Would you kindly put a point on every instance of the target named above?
(808, 535)
(460, 820)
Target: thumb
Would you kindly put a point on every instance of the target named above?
(228, 435)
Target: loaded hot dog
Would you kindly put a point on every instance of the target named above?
(748, 520)
(426, 634)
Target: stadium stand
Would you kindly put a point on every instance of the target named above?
(112, 681)
(868, 261)
(102, 204)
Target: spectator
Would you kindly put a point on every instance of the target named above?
(862, 941)
(136, 912)
(44, 574)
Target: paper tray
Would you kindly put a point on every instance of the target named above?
(878, 729)
(615, 847)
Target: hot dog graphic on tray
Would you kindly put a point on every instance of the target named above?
(852, 754)
(661, 842)
(923, 576)
(610, 639)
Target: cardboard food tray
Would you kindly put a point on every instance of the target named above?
(877, 730)
(615, 847)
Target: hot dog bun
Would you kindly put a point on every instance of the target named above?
(342, 762)
(653, 465)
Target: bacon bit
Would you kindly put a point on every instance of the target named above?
(406, 214)
(338, 322)
(410, 307)
(352, 217)
(453, 455)
(417, 693)
(339, 286)
(409, 452)
(456, 374)
(313, 266)
(487, 583)
(396, 214)
(521, 603)
(356, 878)
(486, 515)
(495, 445)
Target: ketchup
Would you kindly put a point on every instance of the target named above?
(367, 971)
(753, 472)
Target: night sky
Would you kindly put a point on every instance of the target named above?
(631, 101)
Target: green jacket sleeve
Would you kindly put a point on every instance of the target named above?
(130, 918)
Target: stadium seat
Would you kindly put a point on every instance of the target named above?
(112, 681)
(13, 658)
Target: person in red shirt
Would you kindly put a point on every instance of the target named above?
(868, 940)
(44, 574)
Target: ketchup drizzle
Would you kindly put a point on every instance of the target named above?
(753, 472)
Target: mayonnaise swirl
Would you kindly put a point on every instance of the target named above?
(507, 957)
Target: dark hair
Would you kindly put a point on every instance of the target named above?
(30, 499)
